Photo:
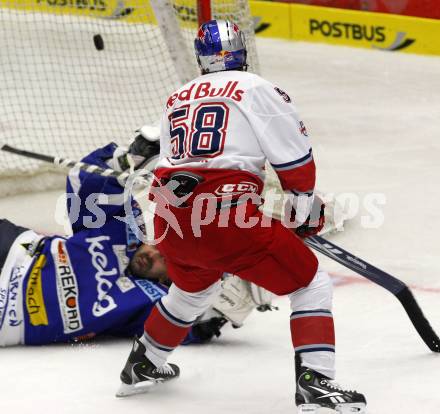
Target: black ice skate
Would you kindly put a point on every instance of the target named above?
(140, 374)
(316, 393)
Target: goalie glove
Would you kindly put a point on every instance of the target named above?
(236, 300)
(205, 330)
(142, 152)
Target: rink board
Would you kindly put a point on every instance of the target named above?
(347, 27)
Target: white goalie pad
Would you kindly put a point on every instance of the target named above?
(238, 298)
(261, 297)
(235, 300)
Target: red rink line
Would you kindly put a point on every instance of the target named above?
(343, 280)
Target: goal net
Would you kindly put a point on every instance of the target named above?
(77, 74)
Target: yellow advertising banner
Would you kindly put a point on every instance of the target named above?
(281, 20)
(128, 11)
(271, 19)
(365, 29)
(347, 27)
(94, 8)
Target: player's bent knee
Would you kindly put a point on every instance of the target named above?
(317, 295)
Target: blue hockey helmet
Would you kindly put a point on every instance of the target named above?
(220, 45)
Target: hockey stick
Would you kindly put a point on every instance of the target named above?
(68, 163)
(390, 283)
(399, 289)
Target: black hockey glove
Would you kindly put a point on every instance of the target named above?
(144, 147)
(206, 330)
(315, 221)
(141, 150)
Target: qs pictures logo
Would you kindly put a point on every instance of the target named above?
(375, 34)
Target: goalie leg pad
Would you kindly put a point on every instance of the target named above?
(261, 297)
(235, 300)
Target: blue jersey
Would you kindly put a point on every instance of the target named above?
(78, 287)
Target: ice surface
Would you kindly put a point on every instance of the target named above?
(375, 121)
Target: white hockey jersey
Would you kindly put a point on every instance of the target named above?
(236, 120)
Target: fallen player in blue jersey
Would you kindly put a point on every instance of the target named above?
(99, 281)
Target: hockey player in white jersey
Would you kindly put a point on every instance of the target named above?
(216, 135)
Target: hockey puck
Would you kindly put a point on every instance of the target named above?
(98, 41)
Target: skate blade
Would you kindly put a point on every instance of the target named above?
(354, 408)
(314, 409)
(351, 408)
(125, 390)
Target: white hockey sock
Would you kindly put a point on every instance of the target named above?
(157, 356)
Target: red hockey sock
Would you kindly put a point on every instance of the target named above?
(164, 330)
(312, 330)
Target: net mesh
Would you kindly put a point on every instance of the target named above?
(77, 74)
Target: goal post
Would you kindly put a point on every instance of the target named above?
(204, 13)
(77, 74)
(169, 27)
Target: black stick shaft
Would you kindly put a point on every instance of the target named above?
(28, 154)
(390, 283)
(67, 163)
